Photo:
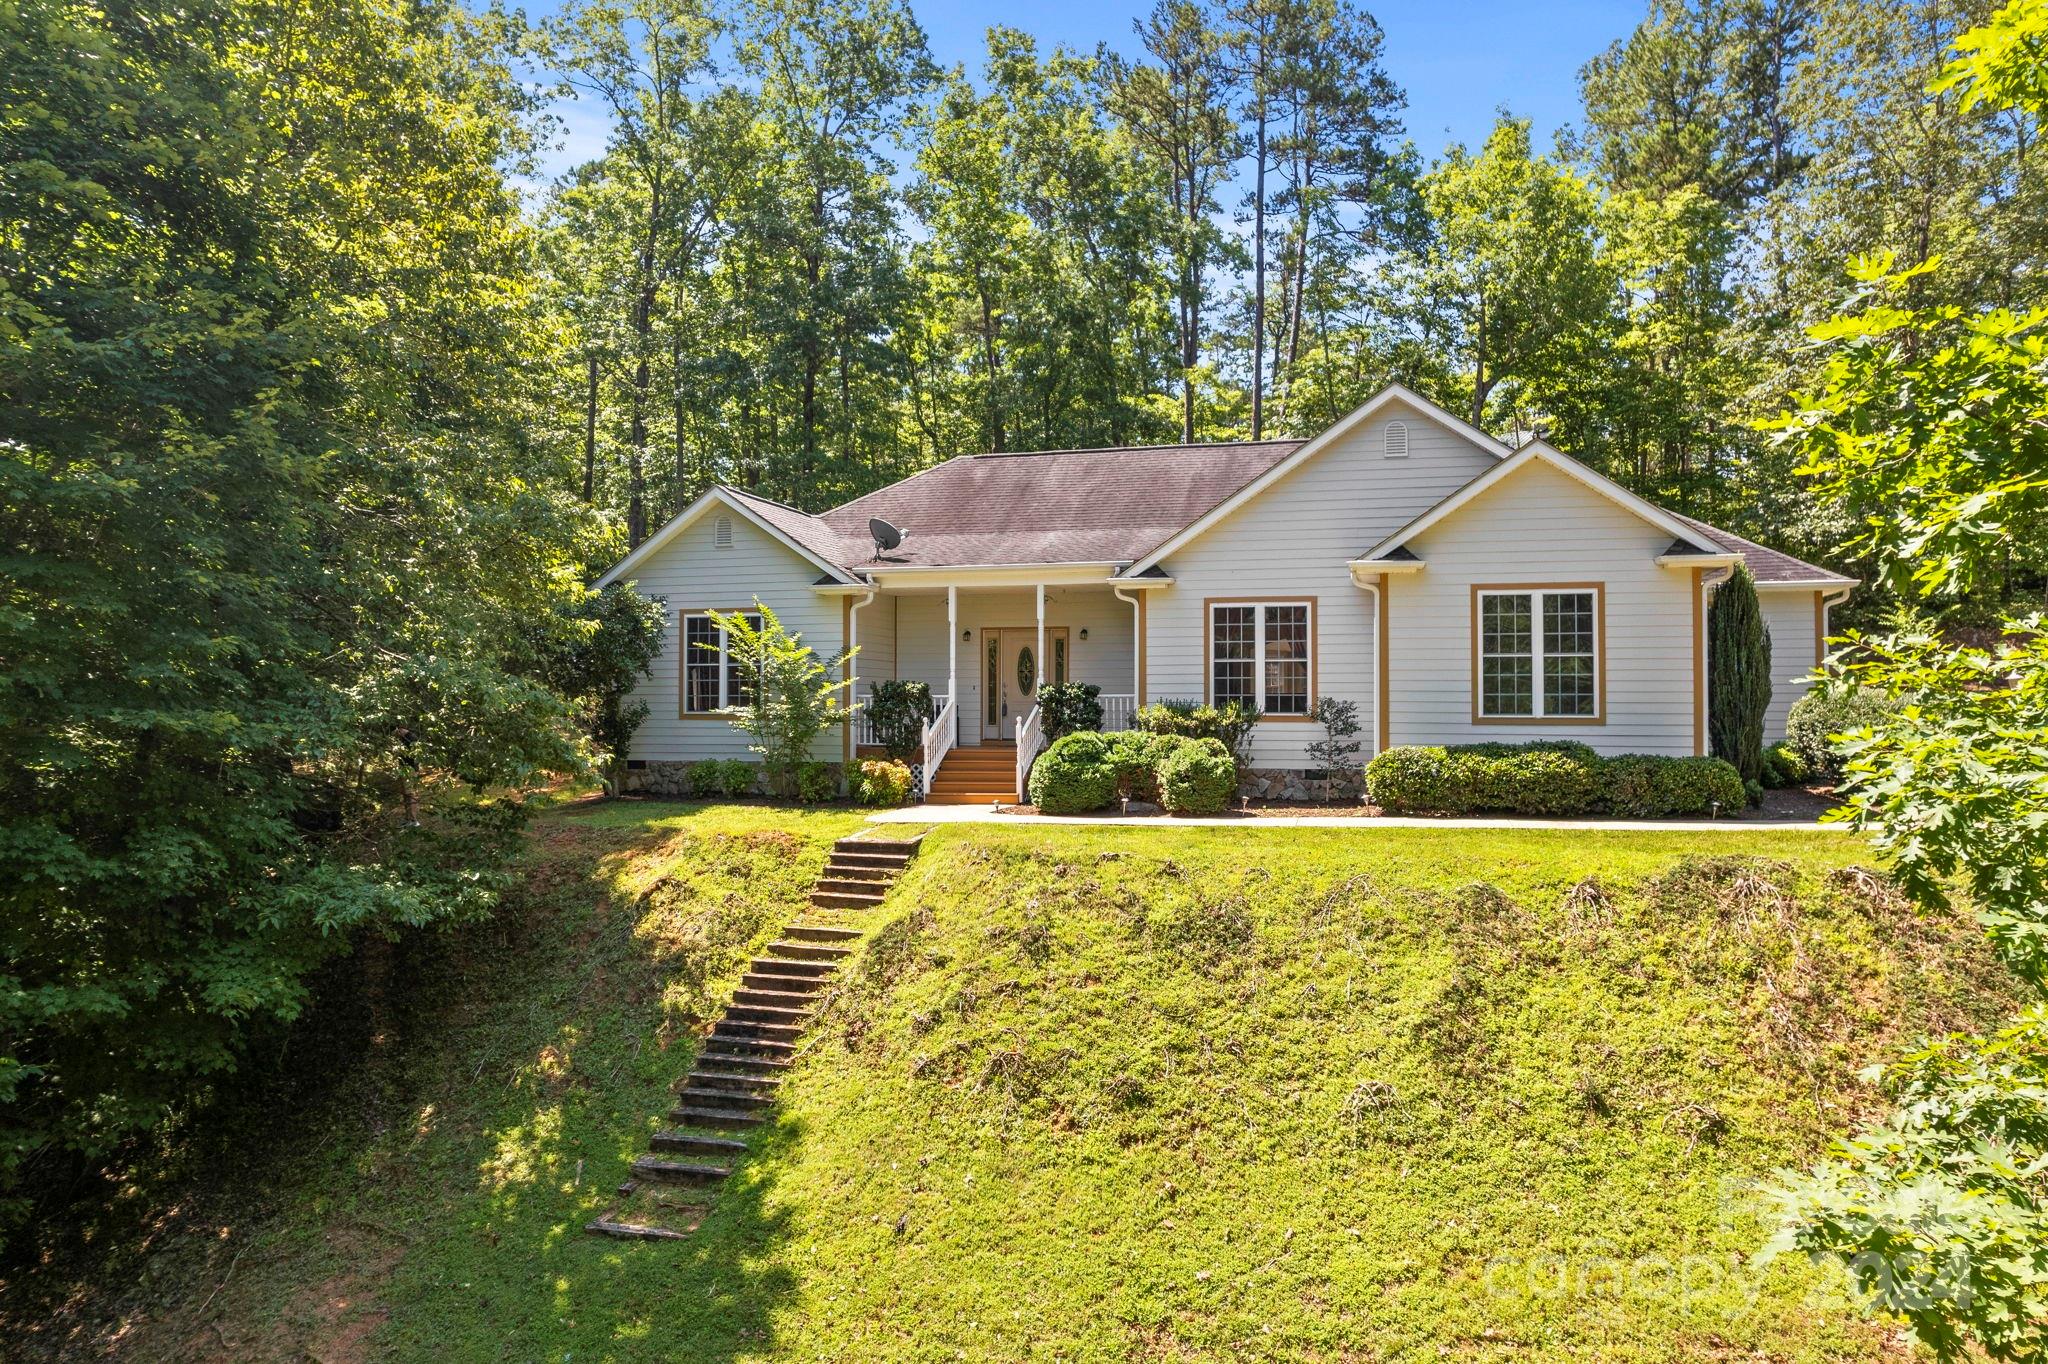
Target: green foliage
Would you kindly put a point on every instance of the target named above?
(1337, 751)
(899, 710)
(1073, 775)
(1231, 723)
(728, 777)
(1065, 707)
(1738, 675)
(1827, 711)
(1136, 755)
(1197, 778)
(1646, 787)
(882, 783)
(792, 694)
(1546, 777)
(606, 647)
(1783, 766)
(1938, 1214)
(287, 545)
(816, 782)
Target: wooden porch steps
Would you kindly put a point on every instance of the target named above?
(980, 774)
(739, 1069)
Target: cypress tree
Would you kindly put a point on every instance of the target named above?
(1738, 675)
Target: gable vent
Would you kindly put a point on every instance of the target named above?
(1396, 437)
(721, 532)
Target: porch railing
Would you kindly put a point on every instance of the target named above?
(1029, 740)
(939, 737)
(1118, 711)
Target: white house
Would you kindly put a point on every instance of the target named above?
(1456, 589)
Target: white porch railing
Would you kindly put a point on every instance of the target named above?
(1029, 740)
(939, 737)
(1118, 712)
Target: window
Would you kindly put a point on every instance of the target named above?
(1260, 653)
(1395, 440)
(711, 674)
(1539, 653)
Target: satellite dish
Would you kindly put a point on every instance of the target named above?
(887, 537)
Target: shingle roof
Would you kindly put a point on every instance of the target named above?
(1764, 564)
(1053, 507)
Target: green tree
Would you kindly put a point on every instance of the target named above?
(793, 694)
(277, 531)
(1738, 675)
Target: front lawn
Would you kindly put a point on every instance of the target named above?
(1102, 1093)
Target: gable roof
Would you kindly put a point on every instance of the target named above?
(1305, 451)
(1770, 567)
(1050, 507)
(790, 527)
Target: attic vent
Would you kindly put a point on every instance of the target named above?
(1397, 440)
(721, 533)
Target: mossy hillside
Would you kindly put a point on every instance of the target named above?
(1228, 1094)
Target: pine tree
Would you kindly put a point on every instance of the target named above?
(1738, 675)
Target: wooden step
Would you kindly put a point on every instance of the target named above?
(678, 1171)
(801, 932)
(891, 862)
(810, 951)
(837, 870)
(776, 999)
(690, 1143)
(739, 1101)
(632, 1231)
(845, 899)
(741, 1084)
(769, 1014)
(971, 798)
(781, 984)
(867, 843)
(740, 1062)
(793, 966)
(714, 1117)
(752, 1032)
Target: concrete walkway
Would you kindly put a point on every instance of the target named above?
(986, 814)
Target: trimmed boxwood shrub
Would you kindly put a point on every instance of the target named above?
(1645, 787)
(1783, 766)
(1232, 722)
(816, 783)
(1547, 778)
(1069, 707)
(1832, 710)
(1136, 756)
(882, 783)
(721, 777)
(1074, 775)
(1197, 778)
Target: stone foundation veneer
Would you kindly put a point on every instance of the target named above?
(1295, 785)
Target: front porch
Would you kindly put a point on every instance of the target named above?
(984, 652)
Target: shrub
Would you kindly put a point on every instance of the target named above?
(816, 782)
(1197, 778)
(1783, 766)
(1645, 787)
(1074, 775)
(1136, 756)
(793, 693)
(898, 711)
(1545, 777)
(882, 783)
(1068, 708)
(1739, 690)
(1827, 710)
(726, 777)
(1231, 723)
(1337, 751)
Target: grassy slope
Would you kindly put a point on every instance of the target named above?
(1102, 1094)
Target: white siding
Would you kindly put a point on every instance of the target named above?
(690, 573)
(1788, 615)
(1294, 540)
(1103, 658)
(1541, 526)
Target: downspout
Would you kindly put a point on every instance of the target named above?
(1137, 642)
(1378, 605)
(852, 678)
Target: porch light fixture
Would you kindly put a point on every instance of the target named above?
(966, 635)
(1084, 632)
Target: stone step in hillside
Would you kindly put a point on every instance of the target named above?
(732, 1086)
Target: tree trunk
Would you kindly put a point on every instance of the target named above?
(1259, 275)
(590, 428)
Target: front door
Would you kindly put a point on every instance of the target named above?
(1009, 673)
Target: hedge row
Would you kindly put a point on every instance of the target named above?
(1088, 771)
(1548, 778)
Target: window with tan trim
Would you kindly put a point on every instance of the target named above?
(1538, 653)
(1262, 653)
(711, 675)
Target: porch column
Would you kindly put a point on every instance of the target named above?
(1039, 680)
(953, 647)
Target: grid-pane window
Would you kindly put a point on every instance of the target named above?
(1234, 652)
(713, 677)
(1286, 672)
(1539, 654)
(1260, 654)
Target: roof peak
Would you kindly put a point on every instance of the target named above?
(1135, 449)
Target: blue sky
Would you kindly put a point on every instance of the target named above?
(1458, 61)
